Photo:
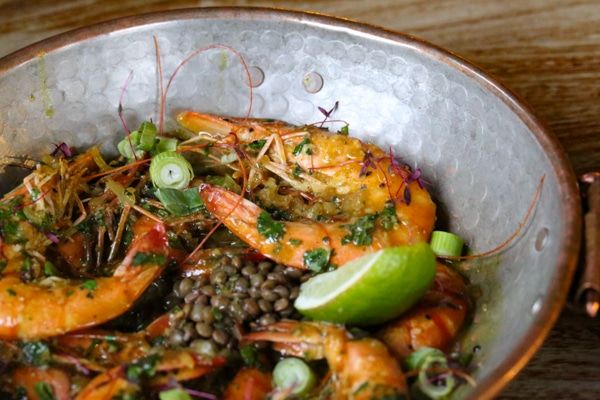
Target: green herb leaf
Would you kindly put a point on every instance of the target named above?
(180, 202)
(295, 242)
(387, 217)
(257, 144)
(224, 181)
(174, 394)
(317, 260)
(361, 232)
(11, 292)
(303, 146)
(269, 228)
(297, 170)
(142, 368)
(148, 258)
(164, 144)
(90, 285)
(44, 391)
(49, 269)
(36, 353)
(147, 135)
(344, 130)
(250, 356)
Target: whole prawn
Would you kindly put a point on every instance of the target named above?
(364, 181)
(72, 304)
(360, 368)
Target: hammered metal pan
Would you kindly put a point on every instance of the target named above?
(479, 146)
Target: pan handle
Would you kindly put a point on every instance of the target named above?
(588, 290)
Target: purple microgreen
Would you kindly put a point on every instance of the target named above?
(64, 149)
(407, 195)
(326, 113)
(394, 164)
(78, 365)
(200, 395)
(120, 109)
(416, 176)
(366, 164)
(52, 237)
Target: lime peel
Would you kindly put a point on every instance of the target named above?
(371, 289)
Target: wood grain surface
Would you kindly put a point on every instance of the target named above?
(548, 51)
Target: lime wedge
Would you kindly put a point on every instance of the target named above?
(371, 289)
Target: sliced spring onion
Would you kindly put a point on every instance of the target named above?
(446, 244)
(164, 144)
(128, 146)
(417, 358)
(432, 380)
(147, 135)
(295, 375)
(174, 394)
(170, 170)
(180, 202)
(229, 158)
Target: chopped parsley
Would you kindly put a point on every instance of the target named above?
(303, 147)
(44, 391)
(217, 314)
(35, 193)
(142, 368)
(91, 286)
(142, 258)
(250, 356)
(10, 215)
(297, 170)
(36, 353)
(317, 260)
(387, 217)
(344, 130)
(257, 144)
(11, 291)
(3, 264)
(50, 269)
(361, 232)
(95, 342)
(295, 242)
(270, 229)
(362, 387)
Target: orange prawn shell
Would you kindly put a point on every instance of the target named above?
(28, 377)
(248, 384)
(435, 321)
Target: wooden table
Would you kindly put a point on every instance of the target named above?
(546, 50)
